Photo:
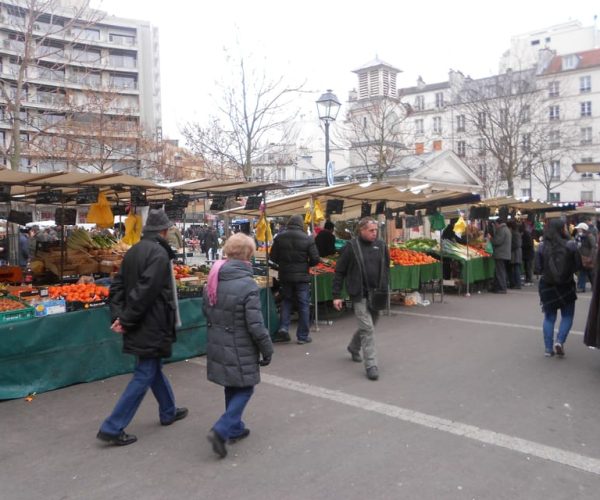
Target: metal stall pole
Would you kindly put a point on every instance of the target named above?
(268, 290)
(468, 294)
(312, 227)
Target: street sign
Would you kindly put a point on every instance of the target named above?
(330, 172)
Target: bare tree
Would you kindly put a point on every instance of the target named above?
(44, 37)
(254, 115)
(499, 111)
(375, 131)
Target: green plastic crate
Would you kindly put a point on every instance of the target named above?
(27, 312)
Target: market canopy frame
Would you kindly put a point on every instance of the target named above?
(396, 196)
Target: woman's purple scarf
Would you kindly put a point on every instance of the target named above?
(213, 281)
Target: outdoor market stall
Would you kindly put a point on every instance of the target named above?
(71, 341)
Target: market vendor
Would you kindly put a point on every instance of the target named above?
(325, 240)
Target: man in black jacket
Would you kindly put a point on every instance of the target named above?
(294, 252)
(357, 283)
(143, 306)
(325, 240)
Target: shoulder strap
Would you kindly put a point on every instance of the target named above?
(359, 258)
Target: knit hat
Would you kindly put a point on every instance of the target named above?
(296, 220)
(157, 221)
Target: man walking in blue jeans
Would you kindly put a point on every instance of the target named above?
(143, 306)
(294, 252)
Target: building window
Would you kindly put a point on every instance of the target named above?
(586, 135)
(586, 108)
(569, 62)
(85, 33)
(554, 113)
(555, 197)
(585, 84)
(437, 125)
(481, 119)
(420, 103)
(587, 175)
(526, 113)
(526, 142)
(555, 170)
(461, 148)
(526, 193)
(437, 145)
(419, 127)
(118, 60)
(482, 170)
(419, 148)
(121, 39)
(587, 196)
(554, 138)
(553, 89)
(460, 123)
(481, 146)
(364, 122)
(439, 100)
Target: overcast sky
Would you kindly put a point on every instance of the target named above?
(321, 42)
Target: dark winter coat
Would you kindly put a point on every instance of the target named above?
(527, 246)
(211, 240)
(325, 242)
(236, 331)
(141, 296)
(516, 250)
(591, 335)
(347, 269)
(501, 242)
(294, 252)
(555, 296)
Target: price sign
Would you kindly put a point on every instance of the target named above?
(87, 195)
(65, 216)
(48, 196)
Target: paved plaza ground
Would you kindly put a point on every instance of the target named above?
(467, 407)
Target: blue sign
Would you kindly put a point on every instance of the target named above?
(330, 172)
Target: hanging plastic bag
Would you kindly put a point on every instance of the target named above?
(460, 227)
(307, 216)
(133, 229)
(318, 215)
(263, 229)
(100, 213)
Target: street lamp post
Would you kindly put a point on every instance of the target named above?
(328, 107)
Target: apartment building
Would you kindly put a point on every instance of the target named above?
(546, 115)
(81, 89)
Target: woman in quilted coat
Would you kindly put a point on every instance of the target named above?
(238, 342)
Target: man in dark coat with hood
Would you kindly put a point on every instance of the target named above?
(143, 306)
(294, 252)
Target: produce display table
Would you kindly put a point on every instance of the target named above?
(474, 270)
(42, 354)
(405, 277)
(430, 272)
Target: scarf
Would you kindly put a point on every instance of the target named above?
(213, 281)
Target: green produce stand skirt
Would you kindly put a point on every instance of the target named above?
(430, 272)
(42, 354)
(477, 269)
(404, 277)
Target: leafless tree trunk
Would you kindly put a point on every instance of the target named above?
(501, 111)
(376, 136)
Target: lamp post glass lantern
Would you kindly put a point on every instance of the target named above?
(328, 107)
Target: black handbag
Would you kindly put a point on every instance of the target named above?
(377, 298)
